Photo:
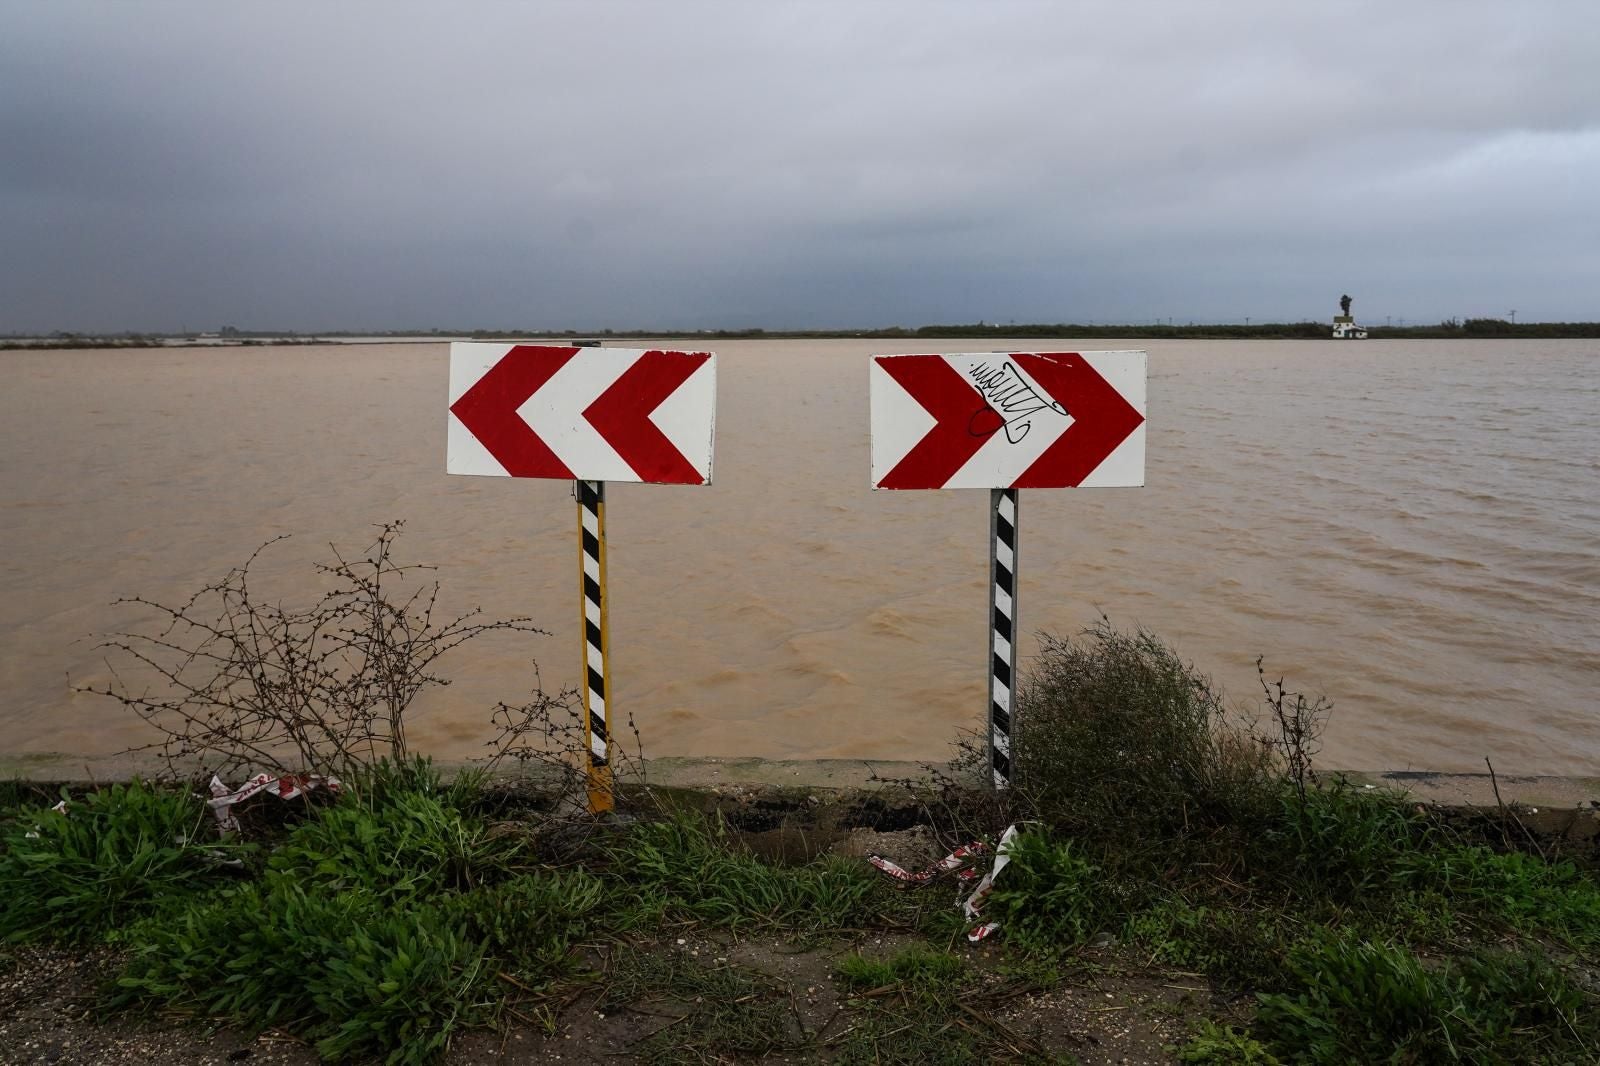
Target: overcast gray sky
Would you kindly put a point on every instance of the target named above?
(691, 164)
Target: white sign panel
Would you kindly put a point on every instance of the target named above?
(592, 414)
(996, 420)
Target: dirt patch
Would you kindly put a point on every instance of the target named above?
(49, 1015)
(1115, 1011)
(1104, 1011)
(1100, 1014)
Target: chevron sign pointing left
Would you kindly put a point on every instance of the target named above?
(590, 414)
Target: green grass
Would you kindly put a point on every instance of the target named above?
(389, 920)
(411, 843)
(918, 966)
(687, 869)
(1514, 890)
(1373, 931)
(377, 928)
(392, 919)
(116, 855)
(18, 794)
(1241, 946)
(1359, 1001)
(1049, 897)
(383, 782)
(532, 922)
(397, 896)
(358, 973)
(1224, 1045)
(345, 970)
(1335, 843)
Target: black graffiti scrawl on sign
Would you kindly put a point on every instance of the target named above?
(1010, 402)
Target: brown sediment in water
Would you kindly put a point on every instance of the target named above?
(1404, 526)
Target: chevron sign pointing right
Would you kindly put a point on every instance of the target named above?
(1007, 420)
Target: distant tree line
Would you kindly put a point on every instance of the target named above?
(1449, 328)
(1472, 327)
(1491, 327)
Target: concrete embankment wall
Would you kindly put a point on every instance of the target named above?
(1527, 792)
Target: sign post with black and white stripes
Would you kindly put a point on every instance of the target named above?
(1002, 629)
(1006, 421)
(587, 415)
(596, 638)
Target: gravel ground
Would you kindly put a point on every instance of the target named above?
(47, 1016)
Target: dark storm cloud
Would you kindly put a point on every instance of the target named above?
(701, 164)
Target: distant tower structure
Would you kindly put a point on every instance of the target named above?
(1344, 326)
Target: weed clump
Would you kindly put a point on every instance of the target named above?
(1050, 897)
(1515, 890)
(76, 874)
(376, 928)
(1335, 843)
(341, 969)
(1359, 1001)
(1215, 847)
(1123, 744)
(1244, 945)
(688, 868)
(1128, 751)
(411, 843)
(919, 1006)
(356, 975)
(1224, 1045)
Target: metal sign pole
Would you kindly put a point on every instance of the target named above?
(1002, 629)
(596, 640)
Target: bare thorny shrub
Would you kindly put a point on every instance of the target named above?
(956, 798)
(1299, 725)
(545, 738)
(240, 681)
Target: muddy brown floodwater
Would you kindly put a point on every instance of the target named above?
(1412, 528)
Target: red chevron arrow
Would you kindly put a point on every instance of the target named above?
(1101, 420)
(953, 402)
(621, 415)
(489, 410)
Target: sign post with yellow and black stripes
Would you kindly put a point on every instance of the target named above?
(588, 415)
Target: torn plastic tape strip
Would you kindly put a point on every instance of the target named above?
(973, 907)
(284, 786)
(958, 860)
(982, 932)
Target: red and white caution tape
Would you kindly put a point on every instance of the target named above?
(222, 801)
(285, 787)
(973, 907)
(960, 861)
